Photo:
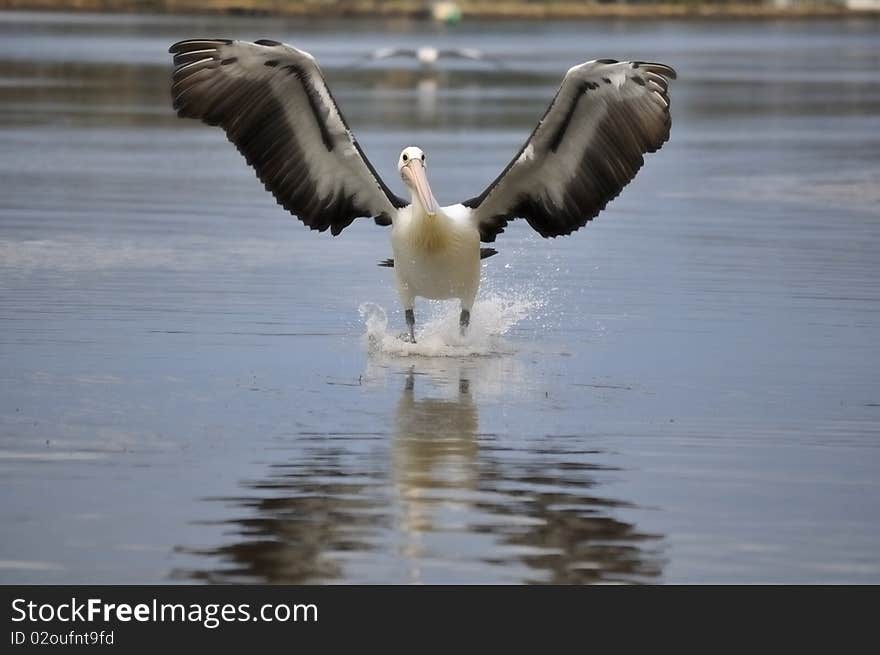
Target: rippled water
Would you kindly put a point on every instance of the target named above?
(195, 388)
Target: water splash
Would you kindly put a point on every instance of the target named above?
(438, 335)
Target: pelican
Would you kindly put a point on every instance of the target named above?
(274, 105)
(427, 56)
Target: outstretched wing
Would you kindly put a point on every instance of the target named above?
(274, 105)
(587, 147)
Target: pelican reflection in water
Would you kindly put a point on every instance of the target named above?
(435, 470)
(440, 500)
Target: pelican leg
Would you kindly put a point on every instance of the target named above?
(411, 324)
(464, 320)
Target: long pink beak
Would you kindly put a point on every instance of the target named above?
(414, 173)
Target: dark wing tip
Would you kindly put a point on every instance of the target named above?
(660, 69)
(387, 263)
(191, 44)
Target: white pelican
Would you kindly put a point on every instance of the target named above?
(427, 56)
(273, 103)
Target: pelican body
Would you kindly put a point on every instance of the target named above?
(274, 105)
(436, 249)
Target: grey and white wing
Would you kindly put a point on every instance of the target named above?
(273, 104)
(589, 145)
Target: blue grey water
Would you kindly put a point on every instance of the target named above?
(684, 391)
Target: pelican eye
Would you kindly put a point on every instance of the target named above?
(423, 157)
(405, 158)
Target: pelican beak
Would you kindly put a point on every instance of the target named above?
(414, 174)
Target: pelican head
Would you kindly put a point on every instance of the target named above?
(412, 168)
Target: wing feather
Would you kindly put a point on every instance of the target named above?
(589, 144)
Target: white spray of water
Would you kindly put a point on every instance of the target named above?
(438, 334)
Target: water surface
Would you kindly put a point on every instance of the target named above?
(684, 391)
